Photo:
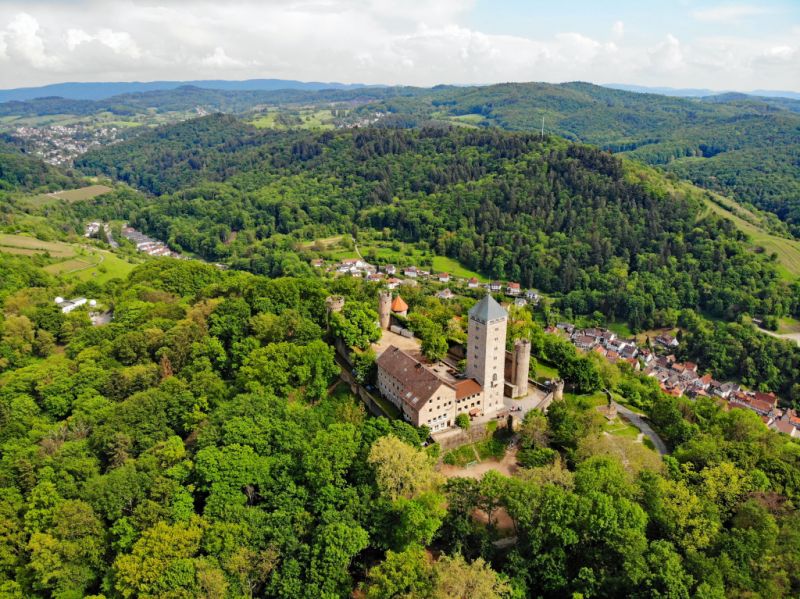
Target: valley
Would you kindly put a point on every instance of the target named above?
(374, 344)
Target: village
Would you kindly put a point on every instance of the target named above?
(655, 358)
(60, 144)
(679, 378)
(144, 243)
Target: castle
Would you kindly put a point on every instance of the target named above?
(434, 395)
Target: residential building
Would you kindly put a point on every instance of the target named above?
(68, 306)
(432, 395)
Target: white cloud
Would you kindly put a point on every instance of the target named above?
(417, 42)
(668, 55)
(220, 59)
(23, 43)
(76, 37)
(120, 42)
(731, 13)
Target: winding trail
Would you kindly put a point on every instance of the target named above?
(785, 336)
(640, 423)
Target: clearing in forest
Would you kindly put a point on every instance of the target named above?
(67, 195)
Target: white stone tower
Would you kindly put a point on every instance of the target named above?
(385, 309)
(486, 350)
(521, 364)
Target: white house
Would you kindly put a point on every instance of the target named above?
(68, 306)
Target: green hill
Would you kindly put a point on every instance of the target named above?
(601, 233)
(742, 146)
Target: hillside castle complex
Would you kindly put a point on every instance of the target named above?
(434, 395)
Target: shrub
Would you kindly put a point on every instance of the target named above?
(462, 421)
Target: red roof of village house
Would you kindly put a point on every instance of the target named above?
(399, 305)
(763, 406)
(784, 427)
(466, 388)
(767, 397)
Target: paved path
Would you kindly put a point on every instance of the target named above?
(640, 423)
(787, 336)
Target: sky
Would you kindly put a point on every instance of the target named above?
(710, 44)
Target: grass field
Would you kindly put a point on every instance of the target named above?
(788, 325)
(621, 329)
(71, 265)
(545, 371)
(492, 447)
(454, 267)
(586, 401)
(462, 456)
(72, 261)
(307, 118)
(30, 245)
(620, 428)
(472, 121)
(788, 250)
(68, 195)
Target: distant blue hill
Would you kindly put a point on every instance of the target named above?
(103, 90)
(700, 92)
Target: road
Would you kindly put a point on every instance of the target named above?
(355, 247)
(788, 336)
(640, 423)
(111, 241)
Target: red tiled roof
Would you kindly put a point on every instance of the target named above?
(399, 305)
(767, 397)
(466, 388)
(783, 427)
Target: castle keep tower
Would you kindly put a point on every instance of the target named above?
(334, 303)
(521, 364)
(385, 309)
(486, 350)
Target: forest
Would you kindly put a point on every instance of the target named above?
(599, 232)
(198, 446)
(743, 146)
